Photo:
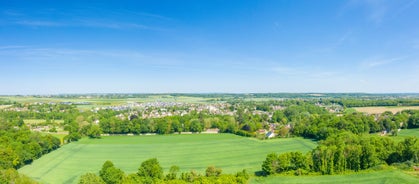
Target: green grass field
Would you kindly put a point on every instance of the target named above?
(190, 152)
(404, 133)
(377, 177)
(409, 132)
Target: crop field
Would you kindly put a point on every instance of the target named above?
(379, 110)
(229, 152)
(377, 177)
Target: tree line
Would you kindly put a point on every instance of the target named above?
(18, 147)
(150, 171)
(301, 119)
(344, 152)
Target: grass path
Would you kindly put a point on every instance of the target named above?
(190, 152)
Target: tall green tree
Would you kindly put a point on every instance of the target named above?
(90, 178)
(151, 169)
(271, 164)
(110, 174)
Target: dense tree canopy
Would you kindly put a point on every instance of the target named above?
(342, 152)
(151, 171)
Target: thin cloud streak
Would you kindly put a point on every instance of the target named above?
(84, 23)
(375, 10)
(39, 23)
(64, 55)
(377, 62)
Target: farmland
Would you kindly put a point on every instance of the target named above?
(189, 152)
(134, 128)
(381, 109)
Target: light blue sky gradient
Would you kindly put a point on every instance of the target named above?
(51, 47)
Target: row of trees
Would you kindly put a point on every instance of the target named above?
(20, 146)
(315, 122)
(301, 119)
(344, 152)
(151, 171)
(376, 102)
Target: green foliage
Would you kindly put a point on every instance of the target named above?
(413, 121)
(290, 161)
(270, 165)
(90, 178)
(343, 152)
(211, 171)
(20, 146)
(110, 174)
(172, 173)
(12, 176)
(150, 172)
(94, 131)
(150, 169)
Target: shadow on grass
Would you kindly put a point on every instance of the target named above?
(260, 173)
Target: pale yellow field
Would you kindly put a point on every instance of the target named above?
(379, 110)
(4, 106)
(38, 121)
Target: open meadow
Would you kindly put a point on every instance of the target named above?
(196, 152)
(404, 133)
(409, 132)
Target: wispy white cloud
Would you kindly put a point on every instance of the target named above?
(286, 70)
(8, 47)
(12, 13)
(378, 61)
(49, 56)
(84, 23)
(155, 16)
(375, 10)
(110, 24)
(332, 45)
(40, 23)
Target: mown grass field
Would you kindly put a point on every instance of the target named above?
(377, 177)
(190, 152)
(379, 110)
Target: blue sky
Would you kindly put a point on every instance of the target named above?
(51, 47)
